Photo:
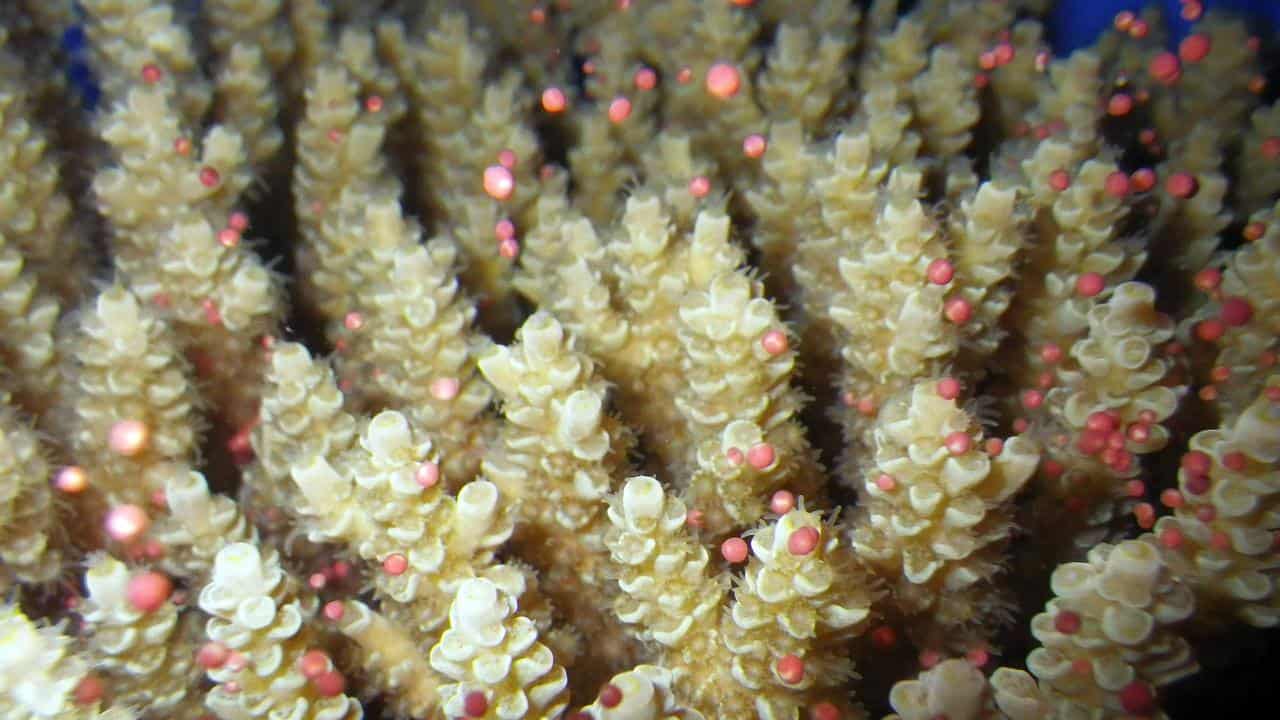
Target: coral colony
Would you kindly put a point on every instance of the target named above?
(795, 359)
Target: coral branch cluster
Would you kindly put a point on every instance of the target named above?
(633, 361)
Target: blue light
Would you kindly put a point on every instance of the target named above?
(1075, 24)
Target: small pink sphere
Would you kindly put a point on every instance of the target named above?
(619, 110)
(734, 550)
(239, 221)
(1207, 279)
(610, 696)
(885, 482)
(824, 711)
(1145, 514)
(1165, 68)
(761, 456)
(211, 313)
(1194, 48)
(734, 456)
(694, 518)
(646, 79)
(774, 342)
(1171, 498)
(1003, 53)
(509, 248)
(89, 690)
(475, 704)
(395, 564)
(684, 76)
(940, 271)
(1210, 330)
(1120, 105)
(329, 684)
(126, 523)
(957, 310)
(209, 177)
(427, 474)
(1137, 698)
(803, 541)
(212, 655)
(507, 159)
(958, 442)
(228, 237)
(1059, 180)
(148, 591)
(884, 638)
(313, 664)
(353, 321)
(504, 229)
(1117, 184)
(498, 182)
(1196, 462)
(699, 186)
(554, 100)
(1143, 179)
(723, 80)
(1139, 432)
(1235, 461)
(128, 437)
(151, 73)
(994, 446)
(790, 668)
(782, 502)
(71, 479)
(317, 581)
(754, 146)
(445, 388)
(948, 388)
(1236, 311)
(1067, 622)
(333, 610)
(1182, 185)
(1090, 284)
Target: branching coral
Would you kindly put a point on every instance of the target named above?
(935, 513)
(776, 646)
(526, 402)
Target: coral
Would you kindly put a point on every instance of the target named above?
(148, 651)
(257, 610)
(935, 512)
(492, 653)
(614, 359)
(27, 514)
(1106, 631)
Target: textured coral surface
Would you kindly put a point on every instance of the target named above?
(637, 360)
